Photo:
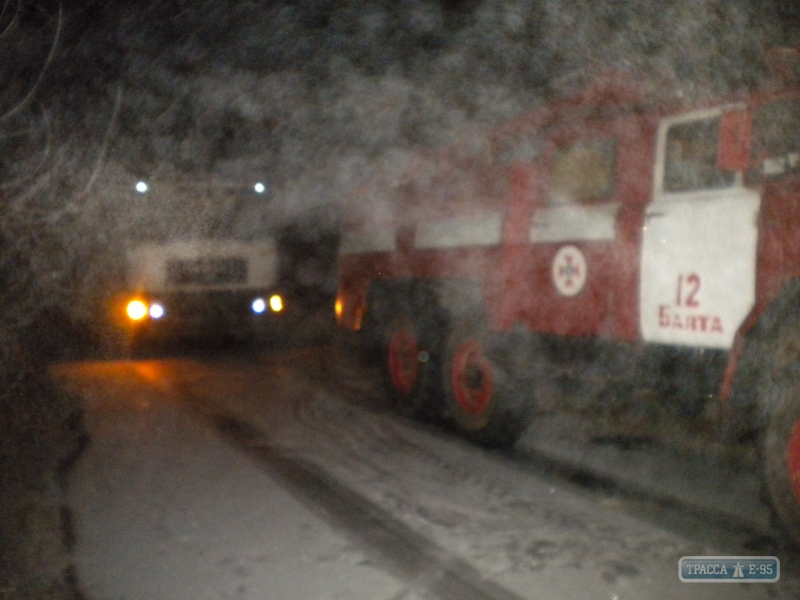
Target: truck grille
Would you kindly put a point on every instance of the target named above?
(206, 271)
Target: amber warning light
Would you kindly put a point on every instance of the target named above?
(276, 303)
(338, 309)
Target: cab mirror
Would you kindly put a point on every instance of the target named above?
(735, 140)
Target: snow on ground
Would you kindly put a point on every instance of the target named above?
(165, 509)
(657, 470)
(537, 536)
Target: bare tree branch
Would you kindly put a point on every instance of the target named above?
(18, 208)
(13, 20)
(44, 154)
(50, 56)
(106, 140)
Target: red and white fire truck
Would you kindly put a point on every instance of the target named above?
(613, 225)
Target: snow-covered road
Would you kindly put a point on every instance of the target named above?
(281, 476)
(165, 509)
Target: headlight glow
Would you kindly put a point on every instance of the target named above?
(276, 303)
(156, 311)
(338, 307)
(258, 306)
(137, 310)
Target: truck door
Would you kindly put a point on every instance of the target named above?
(697, 280)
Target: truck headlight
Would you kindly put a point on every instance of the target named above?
(137, 310)
(156, 310)
(258, 305)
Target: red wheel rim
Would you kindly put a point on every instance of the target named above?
(403, 362)
(472, 378)
(793, 460)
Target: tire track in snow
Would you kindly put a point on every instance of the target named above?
(429, 569)
(648, 498)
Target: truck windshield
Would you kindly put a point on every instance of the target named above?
(776, 139)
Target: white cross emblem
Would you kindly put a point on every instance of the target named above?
(569, 271)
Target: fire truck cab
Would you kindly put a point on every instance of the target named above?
(647, 228)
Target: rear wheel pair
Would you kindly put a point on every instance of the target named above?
(460, 376)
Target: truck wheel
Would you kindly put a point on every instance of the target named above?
(405, 372)
(481, 398)
(782, 455)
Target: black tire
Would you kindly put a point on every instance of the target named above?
(781, 454)
(372, 335)
(481, 391)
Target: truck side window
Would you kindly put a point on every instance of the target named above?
(691, 158)
(776, 138)
(583, 173)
